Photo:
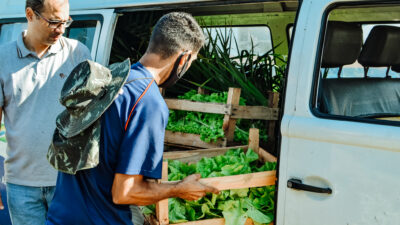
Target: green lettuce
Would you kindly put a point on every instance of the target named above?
(234, 205)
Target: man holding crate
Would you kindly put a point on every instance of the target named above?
(121, 110)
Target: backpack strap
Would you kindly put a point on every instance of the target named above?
(137, 101)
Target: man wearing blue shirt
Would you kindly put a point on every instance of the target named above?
(132, 137)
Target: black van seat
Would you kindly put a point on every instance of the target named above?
(382, 48)
(342, 44)
(374, 97)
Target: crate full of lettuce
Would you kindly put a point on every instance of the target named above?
(246, 182)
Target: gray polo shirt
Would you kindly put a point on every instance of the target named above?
(29, 96)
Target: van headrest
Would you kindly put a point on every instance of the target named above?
(342, 45)
(382, 47)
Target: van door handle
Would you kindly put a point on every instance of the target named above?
(298, 185)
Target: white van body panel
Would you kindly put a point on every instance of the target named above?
(358, 161)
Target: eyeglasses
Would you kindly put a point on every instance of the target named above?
(53, 24)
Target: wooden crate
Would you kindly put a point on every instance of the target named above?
(258, 179)
(231, 111)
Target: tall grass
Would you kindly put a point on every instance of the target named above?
(217, 70)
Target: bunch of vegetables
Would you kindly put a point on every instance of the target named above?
(234, 205)
(208, 125)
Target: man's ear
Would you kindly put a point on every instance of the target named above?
(29, 14)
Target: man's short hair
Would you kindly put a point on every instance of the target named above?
(35, 5)
(175, 32)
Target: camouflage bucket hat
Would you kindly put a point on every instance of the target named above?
(88, 91)
(80, 152)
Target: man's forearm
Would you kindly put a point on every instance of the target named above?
(138, 191)
(133, 189)
(152, 192)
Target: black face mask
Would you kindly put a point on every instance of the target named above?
(174, 76)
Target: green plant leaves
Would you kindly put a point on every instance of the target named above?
(208, 125)
(177, 211)
(234, 205)
(234, 213)
(254, 74)
(254, 213)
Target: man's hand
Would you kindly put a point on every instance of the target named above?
(191, 189)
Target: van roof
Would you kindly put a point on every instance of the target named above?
(17, 7)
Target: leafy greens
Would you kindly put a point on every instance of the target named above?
(234, 205)
(208, 125)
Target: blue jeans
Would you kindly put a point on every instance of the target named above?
(28, 205)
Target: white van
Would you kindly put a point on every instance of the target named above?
(339, 141)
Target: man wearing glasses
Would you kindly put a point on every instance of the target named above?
(33, 71)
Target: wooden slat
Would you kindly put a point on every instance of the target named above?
(162, 206)
(191, 140)
(218, 221)
(266, 156)
(205, 107)
(250, 180)
(196, 155)
(202, 91)
(254, 139)
(172, 146)
(235, 111)
(254, 112)
(273, 103)
(229, 124)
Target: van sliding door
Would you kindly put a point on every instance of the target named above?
(340, 151)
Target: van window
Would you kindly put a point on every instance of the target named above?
(244, 36)
(10, 31)
(359, 73)
(81, 30)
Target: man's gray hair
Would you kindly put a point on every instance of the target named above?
(174, 32)
(35, 5)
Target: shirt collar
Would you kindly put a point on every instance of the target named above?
(143, 68)
(24, 52)
(21, 48)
